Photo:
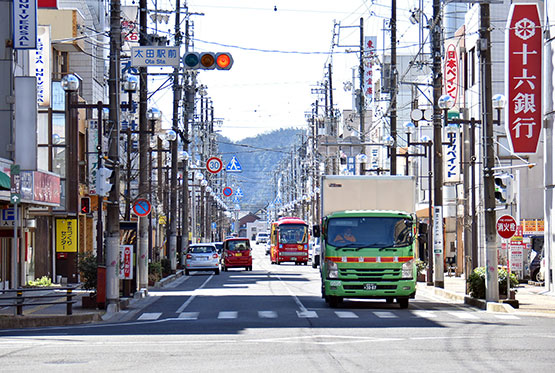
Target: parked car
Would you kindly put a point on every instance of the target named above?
(219, 246)
(262, 237)
(236, 253)
(314, 252)
(202, 257)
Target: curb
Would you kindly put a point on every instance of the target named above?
(18, 322)
(474, 302)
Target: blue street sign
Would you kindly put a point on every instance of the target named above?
(239, 192)
(234, 165)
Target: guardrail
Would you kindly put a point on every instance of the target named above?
(21, 300)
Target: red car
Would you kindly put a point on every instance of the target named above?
(236, 252)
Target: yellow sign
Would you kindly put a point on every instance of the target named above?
(67, 233)
(162, 220)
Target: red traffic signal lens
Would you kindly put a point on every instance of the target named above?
(224, 61)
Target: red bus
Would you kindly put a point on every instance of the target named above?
(289, 241)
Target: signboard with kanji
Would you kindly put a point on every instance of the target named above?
(67, 235)
(523, 81)
(506, 226)
(126, 262)
(451, 72)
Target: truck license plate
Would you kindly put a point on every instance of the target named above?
(370, 286)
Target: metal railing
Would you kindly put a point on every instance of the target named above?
(21, 299)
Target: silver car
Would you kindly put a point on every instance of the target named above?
(202, 257)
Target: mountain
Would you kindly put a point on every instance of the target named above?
(258, 157)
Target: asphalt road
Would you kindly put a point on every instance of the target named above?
(273, 320)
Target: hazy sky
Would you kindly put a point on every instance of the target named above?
(281, 50)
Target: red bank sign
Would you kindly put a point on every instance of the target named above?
(523, 83)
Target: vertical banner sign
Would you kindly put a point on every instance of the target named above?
(93, 157)
(451, 72)
(126, 262)
(39, 65)
(24, 24)
(523, 82)
(369, 54)
(66, 235)
(438, 230)
(452, 158)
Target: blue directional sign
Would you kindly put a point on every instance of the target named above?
(277, 201)
(234, 165)
(239, 192)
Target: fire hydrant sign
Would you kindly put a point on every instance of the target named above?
(126, 262)
(506, 226)
(523, 81)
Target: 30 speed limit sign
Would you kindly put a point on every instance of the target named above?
(214, 165)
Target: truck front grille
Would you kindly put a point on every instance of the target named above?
(370, 274)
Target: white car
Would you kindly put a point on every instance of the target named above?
(202, 257)
(262, 237)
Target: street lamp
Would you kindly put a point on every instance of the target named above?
(70, 84)
(129, 84)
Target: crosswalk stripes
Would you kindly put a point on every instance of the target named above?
(267, 314)
(305, 314)
(346, 315)
(150, 316)
(464, 315)
(188, 315)
(224, 315)
(385, 315)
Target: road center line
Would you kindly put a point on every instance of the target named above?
(188, 301)
(299, 303)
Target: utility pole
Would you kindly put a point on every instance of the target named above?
(438, 148)
(144, 162)
(112, 221)
(188, 113)
(492, 287)
(393, 87)
(361, 104)
(175, 125)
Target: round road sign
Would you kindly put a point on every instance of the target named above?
(141, 207)
(214, 165)
(506, 226)
(227, 192)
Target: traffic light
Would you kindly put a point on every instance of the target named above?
(504, 188)
(208, 61)
(103, 185)
(85, 205)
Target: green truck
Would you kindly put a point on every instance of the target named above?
(368, 233)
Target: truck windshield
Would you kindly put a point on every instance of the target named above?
(377, 232)
(293, 233)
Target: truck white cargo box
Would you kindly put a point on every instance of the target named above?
(367, 192)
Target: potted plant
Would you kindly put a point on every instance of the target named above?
(88, 268)
(421, 267)
(154, 273)
(477, 282)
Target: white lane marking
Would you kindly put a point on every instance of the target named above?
(299, 303)
(227, 315)
(184, 305)
(307, 314)
(267, 314)
(188, 316)
(150, 316)
(346, 315)
(385, 315)
(507, 317)
(464, 315)
(425, 314)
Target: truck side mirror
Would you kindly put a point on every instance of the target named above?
(316, 230)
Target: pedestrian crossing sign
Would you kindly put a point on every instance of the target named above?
(234, 165)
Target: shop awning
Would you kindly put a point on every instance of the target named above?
(5, 183)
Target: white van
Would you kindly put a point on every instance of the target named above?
(262, 237)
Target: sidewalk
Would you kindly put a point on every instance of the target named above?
(532, 299)
(55, 314)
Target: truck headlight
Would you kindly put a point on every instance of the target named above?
(331, 268)
(407, 270)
